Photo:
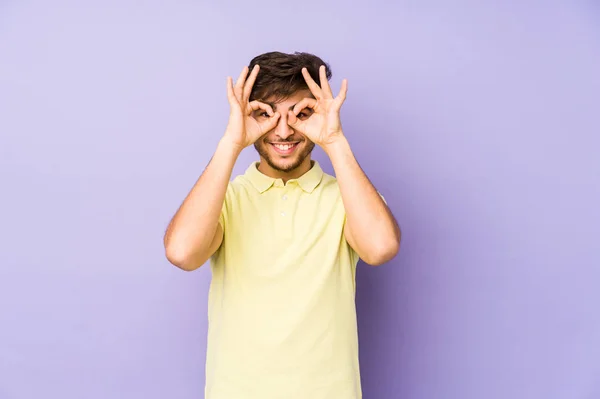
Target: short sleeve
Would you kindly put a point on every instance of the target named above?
(223, 217)
(354, 258)
(354, 255)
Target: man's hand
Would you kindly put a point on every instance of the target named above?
(243, 130)
(323, 126)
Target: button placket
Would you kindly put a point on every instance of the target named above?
(283, 207)
(285, 214)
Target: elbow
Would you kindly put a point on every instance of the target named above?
(383, 253)
(181, 259)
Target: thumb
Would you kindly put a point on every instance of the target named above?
(294, 122)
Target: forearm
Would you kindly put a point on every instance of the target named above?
(192, 230)
(374, 230)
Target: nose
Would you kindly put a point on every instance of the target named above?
(282, 129)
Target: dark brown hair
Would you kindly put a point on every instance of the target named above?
(280, 74)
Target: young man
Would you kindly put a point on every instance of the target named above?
(284, 239)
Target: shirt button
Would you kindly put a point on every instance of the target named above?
(284, 197)
(282, 213)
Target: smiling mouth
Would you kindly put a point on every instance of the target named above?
(284, 148)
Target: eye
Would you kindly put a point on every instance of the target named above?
(304, 114)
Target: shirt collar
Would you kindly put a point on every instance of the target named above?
(308, 181)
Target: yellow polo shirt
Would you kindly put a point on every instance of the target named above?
(282, 315)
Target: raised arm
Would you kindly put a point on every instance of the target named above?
(194, 233)
(371, 229)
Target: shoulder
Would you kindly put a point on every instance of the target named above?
(238, 186)
(329, 182)
(329, 191)
(329, 185)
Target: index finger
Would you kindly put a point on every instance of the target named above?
(304, 103)
(256, 105)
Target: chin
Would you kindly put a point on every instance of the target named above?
(283, 164)
(288, 166)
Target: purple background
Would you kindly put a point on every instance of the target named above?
(479, 122)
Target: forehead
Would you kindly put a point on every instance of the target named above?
(289, 101)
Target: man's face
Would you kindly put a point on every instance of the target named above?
(282, 148)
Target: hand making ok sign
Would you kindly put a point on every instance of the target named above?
(323, 126)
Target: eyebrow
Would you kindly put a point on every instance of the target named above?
(274, 106)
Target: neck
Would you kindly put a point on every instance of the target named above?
(295, 173)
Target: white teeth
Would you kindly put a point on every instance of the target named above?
(284, 147)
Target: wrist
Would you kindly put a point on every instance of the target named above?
(339, 143)
(229, 146)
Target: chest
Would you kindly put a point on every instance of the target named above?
(285, 223)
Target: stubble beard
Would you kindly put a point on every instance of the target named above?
(263, 151)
